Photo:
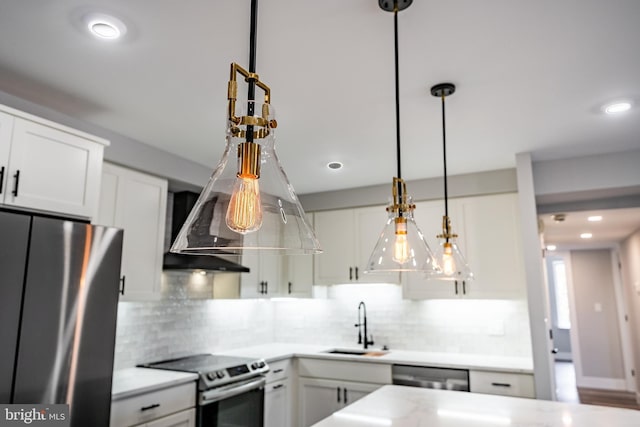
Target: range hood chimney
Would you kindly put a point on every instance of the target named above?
(182, 203)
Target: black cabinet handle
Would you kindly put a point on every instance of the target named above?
(501, 385)
(123, 281)
(338, 394)
(456, 282)
(146, 408)
(346, 399)
(350, 273)
(1, 178)
(15, 185)
(275, 387)
(464, 287)
(266, 287)
(277, 371)
(356, 273)
(289, 287)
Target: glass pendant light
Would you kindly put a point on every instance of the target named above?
(401, 245)
(248, 202)
(452, 264)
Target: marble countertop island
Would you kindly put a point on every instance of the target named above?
(399, 406)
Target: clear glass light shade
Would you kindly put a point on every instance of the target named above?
(256, 210)
(401, 247)
(452, 264)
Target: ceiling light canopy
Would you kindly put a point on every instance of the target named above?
(452, 264)
(586, 235)
(595, 218)
(617, 107)
(401, 245)
(248, 203)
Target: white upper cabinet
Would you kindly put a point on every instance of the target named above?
(489, 239)
(136, 202)
(48, 167)
(348, 237)
(265, 276)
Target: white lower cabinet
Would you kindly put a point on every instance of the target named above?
(325, 386)
(167, 407)
(181, 419)
(502, 383)
(320, 398)
(278, 396)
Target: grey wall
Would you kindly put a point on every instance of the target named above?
(598, 331)
(181, 173)
(630, 260)
(492, 182)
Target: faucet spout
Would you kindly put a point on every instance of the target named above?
(362, 324)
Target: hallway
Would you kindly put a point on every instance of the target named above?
(568, 392)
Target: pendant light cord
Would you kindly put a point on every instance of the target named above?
(444, 158)
(397, 85)
(253, 36)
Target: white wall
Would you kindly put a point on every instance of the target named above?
(177, 326)
(630, 260)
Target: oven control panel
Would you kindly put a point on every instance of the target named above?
(231, 374)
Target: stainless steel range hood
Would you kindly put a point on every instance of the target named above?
(182, 203)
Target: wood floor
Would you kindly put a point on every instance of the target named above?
(567, 391)
(619, 399)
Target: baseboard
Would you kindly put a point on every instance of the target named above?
(602, 383)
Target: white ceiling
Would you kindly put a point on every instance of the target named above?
(531, 76)
(616, 225)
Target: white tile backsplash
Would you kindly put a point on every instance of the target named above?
(177, 325)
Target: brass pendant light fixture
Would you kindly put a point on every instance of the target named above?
(452, 263)
(401, 245)
(249, 203)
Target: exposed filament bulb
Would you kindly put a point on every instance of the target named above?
(448, 262)
(244, 213)
(401, 245)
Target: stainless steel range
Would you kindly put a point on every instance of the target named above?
(230, 389)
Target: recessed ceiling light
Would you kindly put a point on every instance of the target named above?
(594, 218)
(617, 107)
(335, 165)
(105, 27)
(586, 235)
(551, 247)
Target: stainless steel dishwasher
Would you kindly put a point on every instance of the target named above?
(430, 377)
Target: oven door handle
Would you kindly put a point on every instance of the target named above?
(231, 390)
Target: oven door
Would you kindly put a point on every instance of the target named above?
(239, 404)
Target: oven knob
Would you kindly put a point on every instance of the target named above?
(220, 374)
(211, 376)
(261, 364)
(254, 365)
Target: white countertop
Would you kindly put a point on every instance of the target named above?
(399, 406)
(276, 351)
(128, 382)
(132, 381)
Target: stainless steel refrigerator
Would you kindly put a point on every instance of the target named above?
(59, 283)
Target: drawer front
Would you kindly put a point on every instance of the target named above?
(365, 372)
(278, 370)
(502, 383)
(149, 406)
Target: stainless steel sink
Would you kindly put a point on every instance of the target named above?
(349, 352)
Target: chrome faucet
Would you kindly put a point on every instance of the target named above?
(360, 324)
